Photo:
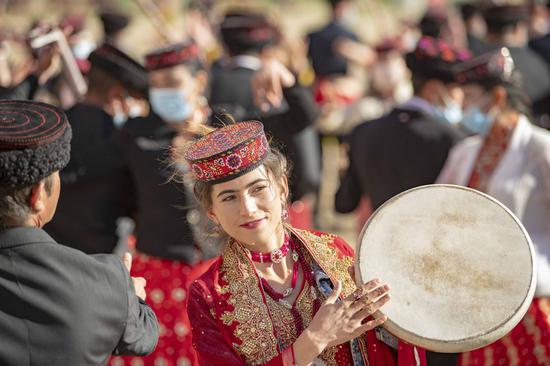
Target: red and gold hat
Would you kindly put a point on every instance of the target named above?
(172, 55)
(228, 152)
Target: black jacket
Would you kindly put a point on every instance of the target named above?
(402, 150)
(290, 126)
(59, 306)
(161, 205)
(96, 184)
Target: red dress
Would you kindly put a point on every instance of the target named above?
(235, 323)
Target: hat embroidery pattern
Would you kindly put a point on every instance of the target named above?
(228, 152)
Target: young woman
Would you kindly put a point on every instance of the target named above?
(509, 159)
(277, 295)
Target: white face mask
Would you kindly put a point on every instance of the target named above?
(450, 113)
(477, 122)
(171, 104)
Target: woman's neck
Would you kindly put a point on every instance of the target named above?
(273, 242)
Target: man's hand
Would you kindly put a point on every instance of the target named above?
(139, 282)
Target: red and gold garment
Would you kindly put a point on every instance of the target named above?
(234, 323)
(168, 282)
(528, 344)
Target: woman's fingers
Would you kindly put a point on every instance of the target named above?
(335, 293)
(371, 324)
(370, 297)
(363, 290)
(370, 309)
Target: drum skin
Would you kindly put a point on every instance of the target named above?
(459, 263)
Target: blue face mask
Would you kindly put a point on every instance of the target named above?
(475, 121)
(170, 104)
(451, 113)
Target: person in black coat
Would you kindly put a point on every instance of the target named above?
(97, 176)
(289, 119)
(59, 306)
(168, 254)
(322, 43)
(407, 147)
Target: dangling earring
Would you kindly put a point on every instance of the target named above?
(284, 214)
(216, 229)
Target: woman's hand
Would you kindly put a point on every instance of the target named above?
(338, 322)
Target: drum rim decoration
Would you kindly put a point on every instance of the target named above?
(471, 342)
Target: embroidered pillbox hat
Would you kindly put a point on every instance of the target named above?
(228, 152)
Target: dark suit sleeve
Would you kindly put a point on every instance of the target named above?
(348, 195)
(303, 110)
(141, 332)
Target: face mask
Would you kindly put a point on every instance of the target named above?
(476, 121)
(451, 113)
(170, 104)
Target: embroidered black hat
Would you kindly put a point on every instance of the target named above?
(172, 55)
(434, 59)
(120, 66)
(243, 31)
(34, 142)
(488, 69)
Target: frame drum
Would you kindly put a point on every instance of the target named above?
(459, 263)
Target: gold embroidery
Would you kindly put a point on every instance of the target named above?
(327, 257)
(283, 319)
(250, 314)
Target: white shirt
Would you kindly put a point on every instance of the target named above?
(521, 181)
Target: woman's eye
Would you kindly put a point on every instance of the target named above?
(258, 189)
(228, 198)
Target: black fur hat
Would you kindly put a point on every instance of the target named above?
(35, 141)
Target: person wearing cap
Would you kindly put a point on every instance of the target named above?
(277, 295)
(408, 146)
(167, 252)
(268, 91)
(507, 25)
(59, 306)
(96, 176)
(509, 159)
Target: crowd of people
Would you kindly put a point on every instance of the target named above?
(165, 211)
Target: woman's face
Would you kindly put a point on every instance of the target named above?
(249, 207)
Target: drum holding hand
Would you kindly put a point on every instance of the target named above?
(337, 322)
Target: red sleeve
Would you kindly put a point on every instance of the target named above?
(208, 341)
(212, 347)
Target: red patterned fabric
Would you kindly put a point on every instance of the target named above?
(228, 152)
(167, 287)
(493, 149)
(171, 56)
(232, 321)
(528, 344)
